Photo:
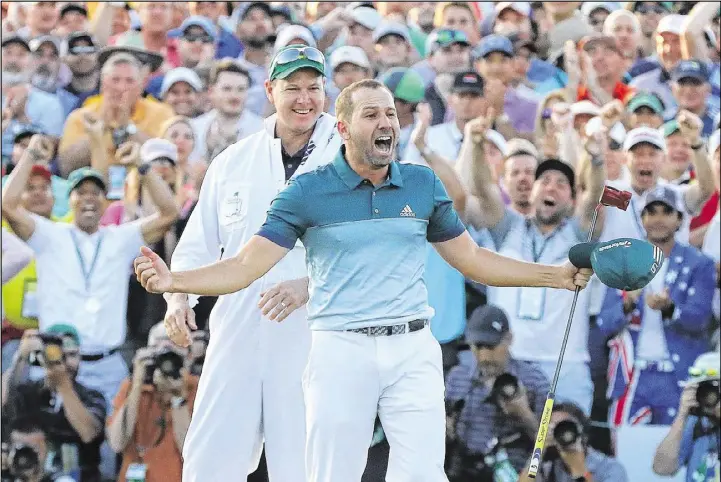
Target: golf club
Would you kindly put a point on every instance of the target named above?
(610, 197)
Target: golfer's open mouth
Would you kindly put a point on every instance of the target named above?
(384, 143)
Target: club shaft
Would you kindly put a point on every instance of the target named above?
(564, 343)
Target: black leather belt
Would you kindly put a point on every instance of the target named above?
(91, 357)
(389, 330)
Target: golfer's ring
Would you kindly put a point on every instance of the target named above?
(283, 305)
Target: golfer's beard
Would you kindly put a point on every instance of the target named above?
(379, 162)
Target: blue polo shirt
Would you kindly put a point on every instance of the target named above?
(700, 453)
(365, 245)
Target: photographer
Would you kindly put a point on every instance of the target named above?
(568, 457)
(693, 440)
(71, 414)
(24, 457)
(151, 412)
(196, 354)
(493, 395)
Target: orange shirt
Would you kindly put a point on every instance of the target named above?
(148, 116)
(163, 461)
(621, 92)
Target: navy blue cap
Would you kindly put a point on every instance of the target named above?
(693, 69)
(487, 325)
(468, 82)
(664, 195)
(495, 43)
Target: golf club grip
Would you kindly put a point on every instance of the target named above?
(541, 437)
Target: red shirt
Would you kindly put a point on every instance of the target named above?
(621, 92)
(707, 212)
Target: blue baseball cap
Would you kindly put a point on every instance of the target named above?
(663, 195)
(195, 21)
(624, 263)
(494, 43)
(690, 69)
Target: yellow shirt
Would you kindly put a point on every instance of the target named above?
(19, 293)
(148, 116)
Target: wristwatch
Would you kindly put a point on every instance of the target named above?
(177, 402)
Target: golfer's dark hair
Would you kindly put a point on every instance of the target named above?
(344, 103)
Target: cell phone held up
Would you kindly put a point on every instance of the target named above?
(51, 352)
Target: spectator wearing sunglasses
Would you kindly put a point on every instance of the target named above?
(448, 52)
(80, 55)
(482, 410)
(597, 12)
(668, 320)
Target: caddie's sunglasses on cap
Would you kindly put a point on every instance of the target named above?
(298, 53)
(446, 37)
(698, 372)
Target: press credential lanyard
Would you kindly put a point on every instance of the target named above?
(87, 271)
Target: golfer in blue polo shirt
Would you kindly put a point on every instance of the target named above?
(365, 221)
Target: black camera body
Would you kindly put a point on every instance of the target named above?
(197, 366)
(167, 361)
(51, 352)
(22, 459)
(707, 397)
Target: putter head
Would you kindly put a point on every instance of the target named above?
(616, 198)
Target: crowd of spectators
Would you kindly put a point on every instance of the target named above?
(112, 112)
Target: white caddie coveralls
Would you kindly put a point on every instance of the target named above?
(250, 389)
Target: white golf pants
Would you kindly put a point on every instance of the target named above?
(350, 378)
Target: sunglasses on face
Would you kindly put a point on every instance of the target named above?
(484, 346)
(654, 210)
(83, 49)
(447, 37)
(204, 38)
(647, 9)
(298, 53)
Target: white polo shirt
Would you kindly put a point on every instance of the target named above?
(443, 139)
(98, 312)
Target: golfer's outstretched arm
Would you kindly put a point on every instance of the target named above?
(489, 268)
(256, 258)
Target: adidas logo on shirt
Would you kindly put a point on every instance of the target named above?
(407, 212)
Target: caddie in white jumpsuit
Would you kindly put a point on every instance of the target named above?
(250, 389)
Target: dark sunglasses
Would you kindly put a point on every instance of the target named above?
(446, 37)
(646, 9)
(205, 38)
(298, 53)
(653, 209)
(82, 49)
(614, 145)
(486, 346)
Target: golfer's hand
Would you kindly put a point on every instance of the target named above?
(152, 272)
(284, 298)
(179, 319)
(572, 277)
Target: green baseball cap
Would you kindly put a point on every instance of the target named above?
(624, 263)
(405, 84)
(64, 330)
(645, 99)
(670, 128)
(295, 57)
(84, 173)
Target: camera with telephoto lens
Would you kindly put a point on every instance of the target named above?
(707, 396)
(22, 460)
(505, 387)
(461, 463)
(167, 361)
(566, 433)
(51, 352)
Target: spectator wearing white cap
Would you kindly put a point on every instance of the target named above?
(668, 52)
(359, 33)
(180, 90)
(293, 35)
(626, 29)
(230, 120)
(393, 46)
(348, 64)
(513, 18)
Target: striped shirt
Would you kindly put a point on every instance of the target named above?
(481, 420)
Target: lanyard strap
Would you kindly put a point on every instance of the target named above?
(637, 220)
(536, 254)
(87, 272)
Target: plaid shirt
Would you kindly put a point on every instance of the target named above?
(481, 420)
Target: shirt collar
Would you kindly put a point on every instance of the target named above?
(353, 180)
